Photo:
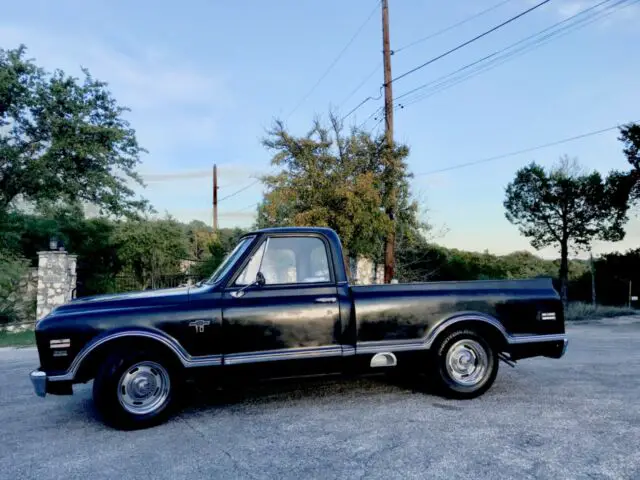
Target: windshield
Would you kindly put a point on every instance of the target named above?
(230, 259)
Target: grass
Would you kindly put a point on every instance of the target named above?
(18, 339)
(586, 311)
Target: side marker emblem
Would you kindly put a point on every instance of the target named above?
(199, 325)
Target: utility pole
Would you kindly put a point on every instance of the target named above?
(390, 187)
(593, 279)
(215, 199)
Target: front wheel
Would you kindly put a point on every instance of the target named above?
(466, 364)
(134, 390)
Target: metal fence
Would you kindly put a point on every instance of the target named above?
(126, 282)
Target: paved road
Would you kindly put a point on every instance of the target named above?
(578, 417)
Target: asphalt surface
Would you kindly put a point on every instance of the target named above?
(577, 417)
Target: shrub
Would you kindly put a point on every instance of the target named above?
(13, 305)
(586, 311)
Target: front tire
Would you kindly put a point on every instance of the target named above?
(135, 390)
(466, 364)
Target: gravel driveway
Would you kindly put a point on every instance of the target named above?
(577, 417)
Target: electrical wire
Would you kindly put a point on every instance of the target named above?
(442, 83)
(239, 191)
(360, 85)
(451, 27)
(468, 42)
(334, 62)
(416, 42)
(520, 152)
(360, 104)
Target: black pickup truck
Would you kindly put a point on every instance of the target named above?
(280, 304)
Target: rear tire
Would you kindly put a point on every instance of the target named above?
(465, 364)
(134, 390)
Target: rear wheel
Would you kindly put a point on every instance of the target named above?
(466, 364)
(135, 390)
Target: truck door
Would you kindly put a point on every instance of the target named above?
(291, 324)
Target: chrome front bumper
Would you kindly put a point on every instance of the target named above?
(564, 346)
(39, 381)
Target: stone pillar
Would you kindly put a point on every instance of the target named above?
(365, 272)
(56, 280)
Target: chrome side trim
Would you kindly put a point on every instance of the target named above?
(520, 339)
(284, 354)
(462, 318)
(187, 360)
(426, 343)
(564, 347)
(348, 350)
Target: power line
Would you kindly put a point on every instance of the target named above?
(439, 85)
(474, 39)
(420, 40)
(239, 191)
(362, 103)
(334, 62)
(360, 85)
(520, 152)
(451, 27)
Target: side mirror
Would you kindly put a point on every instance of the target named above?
(260, 281)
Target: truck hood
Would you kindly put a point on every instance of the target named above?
(168, 296)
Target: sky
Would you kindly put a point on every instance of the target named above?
(205, 80)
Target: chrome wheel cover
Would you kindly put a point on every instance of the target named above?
(467, 362)
(144, 388)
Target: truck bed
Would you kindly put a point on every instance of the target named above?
(408, 312)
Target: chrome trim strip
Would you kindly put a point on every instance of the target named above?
(520, 339)
(348, 350)
(187, 360)
(564, 347)
(427, 342)
(284, 354)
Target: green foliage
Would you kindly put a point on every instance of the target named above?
(149, 248)
(429, 262)
(613, 273)
(18, 339)
(567, 208)
(328, 179)
(13, 306)
(630, 137)
(63, 139)
(587, 311)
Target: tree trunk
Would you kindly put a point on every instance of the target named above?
(593, 279)
(564, 272)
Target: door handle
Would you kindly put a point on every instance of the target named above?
(326, 300)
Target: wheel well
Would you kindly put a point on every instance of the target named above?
(89, 366)
(489, 332)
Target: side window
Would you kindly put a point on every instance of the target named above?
(249, 273)
(284, 260)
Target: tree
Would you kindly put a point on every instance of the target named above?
(328, 179)
(567, 208)
(63, 139)
(149, 249)
(630, 137)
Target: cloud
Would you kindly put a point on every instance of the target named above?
(614, 13)
(173, 103)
